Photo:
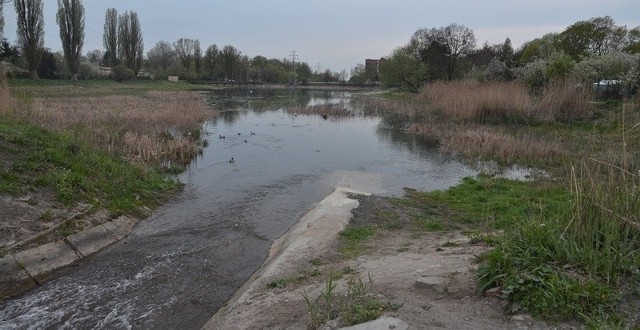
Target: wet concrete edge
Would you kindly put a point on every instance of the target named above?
(292, 246)
(26, 269)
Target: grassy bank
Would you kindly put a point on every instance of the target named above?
(112, 146)
(568, 247)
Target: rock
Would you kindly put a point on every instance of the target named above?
(382, 323)
(434, 283)
(521, 318)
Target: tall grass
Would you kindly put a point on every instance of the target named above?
(479, 102)
(471, 140)
(563, 101)
(577, 263)
(7, 103)
(605, 226)
(506, 102)
(157, 127)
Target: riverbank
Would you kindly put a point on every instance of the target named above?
(420, 279)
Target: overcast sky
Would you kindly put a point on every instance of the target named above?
(334, 34)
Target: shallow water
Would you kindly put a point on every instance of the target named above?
(180, 265)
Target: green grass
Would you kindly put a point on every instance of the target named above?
(572, 263)
(490, 201)
(76, 172)
(354, 240)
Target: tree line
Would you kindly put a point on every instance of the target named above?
(124, 54)
(586, 51)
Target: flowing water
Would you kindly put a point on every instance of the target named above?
(178, 267)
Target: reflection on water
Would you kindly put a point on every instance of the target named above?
(180, 265)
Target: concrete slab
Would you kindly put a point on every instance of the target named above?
(383, 323)
(92, 240)
(120, 227)
(45, 258)
(13, 278)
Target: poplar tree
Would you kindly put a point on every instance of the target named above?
(30, 32)
(1, 20)
(70, 18)
(130, 42)
(110, 36)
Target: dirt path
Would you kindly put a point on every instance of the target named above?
(428, 276)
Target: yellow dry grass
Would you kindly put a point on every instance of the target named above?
(156, 127)
(486, 141)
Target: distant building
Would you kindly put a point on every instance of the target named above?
(372, 70)
(372, 66)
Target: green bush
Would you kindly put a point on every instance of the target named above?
(121, 73)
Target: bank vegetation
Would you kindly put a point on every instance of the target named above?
(578, 256)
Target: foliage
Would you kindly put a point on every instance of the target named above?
(121, 73)
(403, 70)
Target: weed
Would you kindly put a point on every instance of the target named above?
(46, 215)
(355, 307)
(68, 227)
(450, 244)
(279, 283)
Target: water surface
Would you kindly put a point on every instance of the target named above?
(181, 264)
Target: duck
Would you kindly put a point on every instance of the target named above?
(245, 140)
(239, 133)
(232, 160)
(252, 133)
(221, 136)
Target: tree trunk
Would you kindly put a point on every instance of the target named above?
(34, 75)
(74, 76)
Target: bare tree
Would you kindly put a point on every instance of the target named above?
(452, 42)
(161, 55)
(30, 32)
(184, 50)
(211, 60)
(230, 57)
(110, 36)
(70, 18)
(130, 42)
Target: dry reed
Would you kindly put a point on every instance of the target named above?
(483, 141)
(562, 101)
(7, 103)
(506, 102)
(157, 127)
(480, 102)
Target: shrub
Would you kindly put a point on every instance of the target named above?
(121, 73)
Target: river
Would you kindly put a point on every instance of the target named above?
(178, 267)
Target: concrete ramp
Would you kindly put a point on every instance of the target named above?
(306, 240)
